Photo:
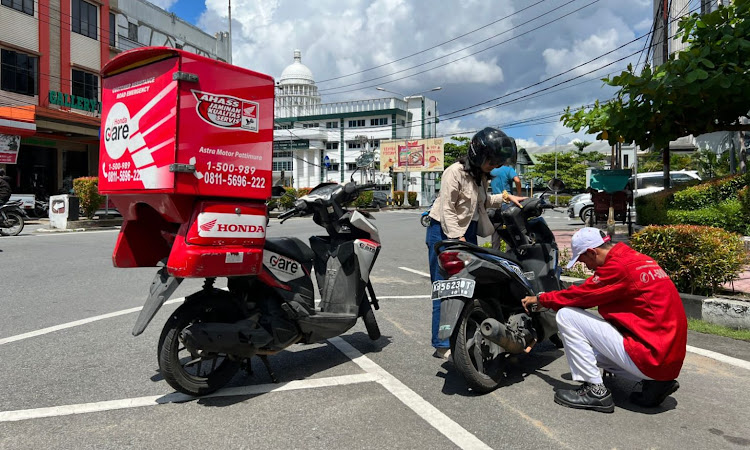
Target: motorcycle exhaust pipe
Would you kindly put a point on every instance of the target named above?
(499, 334)
(241, 338)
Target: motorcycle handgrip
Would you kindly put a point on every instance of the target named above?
(350, 187)
(286, 214)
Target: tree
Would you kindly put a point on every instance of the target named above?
(581, 144)
(454, 151)
(699, 90)
(571, 167)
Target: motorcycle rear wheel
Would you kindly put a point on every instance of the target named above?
(183, 369)
(13, 226)
(472, 354)
(425, 221)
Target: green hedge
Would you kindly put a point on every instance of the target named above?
(412, 198)
(87, 191)
(652, 209)
(727, 215)
(698, 259)
(709, 193)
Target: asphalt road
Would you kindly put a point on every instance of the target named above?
(74, 377)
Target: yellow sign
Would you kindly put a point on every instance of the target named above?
(420, 155)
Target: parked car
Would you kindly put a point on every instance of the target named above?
(648, 183)
(379, 199)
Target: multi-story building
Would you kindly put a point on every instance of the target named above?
(52, 52)
(315, 142)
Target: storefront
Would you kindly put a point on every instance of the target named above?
(42, 150)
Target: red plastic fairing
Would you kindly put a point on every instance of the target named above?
(223, 238)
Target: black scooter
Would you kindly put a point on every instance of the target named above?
(481, 309)
(216, 332)
(11, 218)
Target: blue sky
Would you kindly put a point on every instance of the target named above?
(496, 61)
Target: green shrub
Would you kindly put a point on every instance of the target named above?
(413, 198)
(709, 193)
(398, 198)
(87, 191)
(287, 200)
(727, 215)
(743, 196)
(698, 259)
(577, 271)
(652, 209)
(364, 200)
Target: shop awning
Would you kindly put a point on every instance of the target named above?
(18, 120)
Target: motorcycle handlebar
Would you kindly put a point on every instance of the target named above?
(287, 214)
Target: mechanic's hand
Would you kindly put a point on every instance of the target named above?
(528, 301)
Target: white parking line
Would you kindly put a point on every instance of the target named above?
(444, 424)
(719, 357)
(176, 397)
(418, 272)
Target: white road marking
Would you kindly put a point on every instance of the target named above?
(176, 397)
(67, 233)
(76, 323)
(397, 297)
(436, 418)
(719, 357)
(418, 272)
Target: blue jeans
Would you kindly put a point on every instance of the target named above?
(435, 234)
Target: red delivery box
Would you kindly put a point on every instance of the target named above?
(185, 156)
(179, 123)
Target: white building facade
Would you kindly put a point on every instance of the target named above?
(316, 142)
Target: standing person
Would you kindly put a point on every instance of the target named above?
(460, 212)
(641, 334)
(5, 189)
(503, 179)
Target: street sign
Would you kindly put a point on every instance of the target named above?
(327, 162)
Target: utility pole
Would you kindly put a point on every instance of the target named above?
(230, 32)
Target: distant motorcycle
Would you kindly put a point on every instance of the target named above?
(425, 219)
(11, 218)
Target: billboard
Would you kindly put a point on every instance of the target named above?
(420, 155)
(9, 144)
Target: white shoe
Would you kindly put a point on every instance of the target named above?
(443, 353)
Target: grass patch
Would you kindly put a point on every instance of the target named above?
(709, 328)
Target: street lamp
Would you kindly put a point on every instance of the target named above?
(556, 137)
(408, 153)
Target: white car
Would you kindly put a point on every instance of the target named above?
(648, 183)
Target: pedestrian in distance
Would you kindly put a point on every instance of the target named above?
(460, 211)
(641, 334)
(504, 178)
(5, 189)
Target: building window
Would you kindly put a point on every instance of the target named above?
(332, 124)
(334, 167)
(351, 166)
(282, 154)
(311, 125)
(403, 123)
(380, 121)
(85, 84)
(282, 127)
(19, 72)
(24, 6)
(83, 18)
(112, 29)
(332, 145)
(356, 123)
(353, 144)
(375, 143)
(133, 32)
(282, 165)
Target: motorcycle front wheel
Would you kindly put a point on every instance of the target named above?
(13, 225)
(187, 370)
(425, 220)
(479, 361)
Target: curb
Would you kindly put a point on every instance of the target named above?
(731, 313)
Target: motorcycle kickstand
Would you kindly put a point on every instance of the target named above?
(264, 358)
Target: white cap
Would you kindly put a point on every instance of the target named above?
(584, 239)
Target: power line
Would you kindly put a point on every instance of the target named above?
(455, 60)
(434, 46)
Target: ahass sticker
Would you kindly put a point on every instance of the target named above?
(224, 111)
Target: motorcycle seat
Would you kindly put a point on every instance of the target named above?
(290, 246)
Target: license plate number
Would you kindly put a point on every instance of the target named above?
(457, 287)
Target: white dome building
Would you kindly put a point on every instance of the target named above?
(297, 94)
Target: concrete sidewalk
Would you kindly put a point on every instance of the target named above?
(740, 286)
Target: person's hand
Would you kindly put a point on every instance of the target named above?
(528, 301)
(516, 199)
(462, 239)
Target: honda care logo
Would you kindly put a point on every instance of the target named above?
(117, 130)
(282, 267)
(231, 225)
(225, 111)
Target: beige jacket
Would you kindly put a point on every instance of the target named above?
(459, 199)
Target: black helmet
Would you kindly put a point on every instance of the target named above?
(492, 145)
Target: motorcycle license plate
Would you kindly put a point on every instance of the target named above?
(456, 287)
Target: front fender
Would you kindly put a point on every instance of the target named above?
(450, 310)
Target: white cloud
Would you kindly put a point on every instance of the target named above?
(342, 38)
(164, 4)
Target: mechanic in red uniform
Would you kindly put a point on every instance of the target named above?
(641, 334)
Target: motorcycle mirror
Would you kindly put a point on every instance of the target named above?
(556, 185)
